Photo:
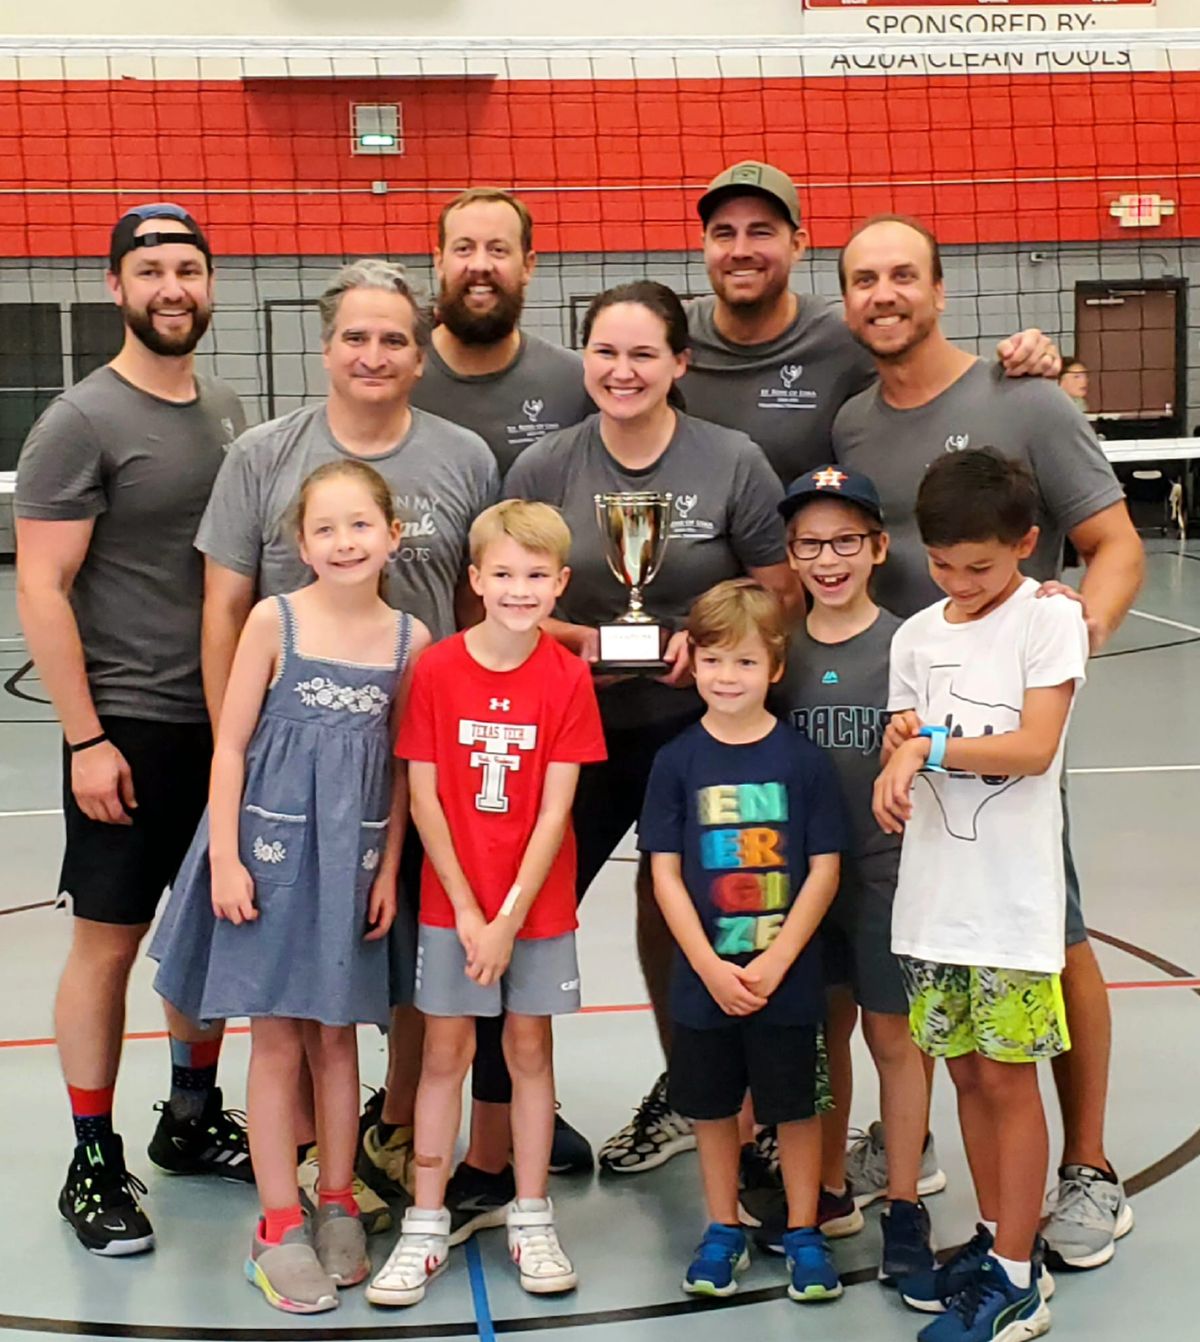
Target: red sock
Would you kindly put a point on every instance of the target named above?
(277, 1221)
(341, 1197)
(91, 1112)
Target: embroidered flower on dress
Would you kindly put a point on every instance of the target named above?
(268, 852)
(370, 859)
(320, 692)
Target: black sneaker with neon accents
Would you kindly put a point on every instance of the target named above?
(99, 1201)
(214, 1143)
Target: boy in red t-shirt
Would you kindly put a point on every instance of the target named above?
(499, 719)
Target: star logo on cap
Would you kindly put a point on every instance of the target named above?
(829, 478)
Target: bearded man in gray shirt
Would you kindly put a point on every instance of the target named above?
(772, 363)
(933, 397)
(482, 370)
(111, 482)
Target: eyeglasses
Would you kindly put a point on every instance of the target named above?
(847, 545)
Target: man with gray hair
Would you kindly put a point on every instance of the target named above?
(374, 335)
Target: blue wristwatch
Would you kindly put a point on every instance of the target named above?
(938, 737)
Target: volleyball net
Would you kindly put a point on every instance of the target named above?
(1062, 177)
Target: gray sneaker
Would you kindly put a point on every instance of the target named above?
(867, 1173)
(289, 1273)
(341, 1244)
(1088, 1214)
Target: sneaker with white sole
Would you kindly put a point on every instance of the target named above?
(654, 1134)
(533, 1246)
(289, 1273)
(420, 1254)
(1088, 1214)
(867, 1169)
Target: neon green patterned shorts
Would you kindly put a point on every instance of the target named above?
(1008, 1015)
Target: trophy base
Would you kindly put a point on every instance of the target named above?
(630, 668)
(632, 649)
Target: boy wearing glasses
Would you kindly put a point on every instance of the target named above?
(834, 690)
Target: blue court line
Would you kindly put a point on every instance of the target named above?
(479, 1293)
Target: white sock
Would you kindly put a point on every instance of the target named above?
(1020, 1274)
(990, 1227)
(532, 1204)
(424, 1213)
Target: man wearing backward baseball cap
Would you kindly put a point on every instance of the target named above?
(111, 485)
(774, 363)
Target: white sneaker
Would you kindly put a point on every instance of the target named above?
(420, 1255)
(533, 1244)
(1088, 1214)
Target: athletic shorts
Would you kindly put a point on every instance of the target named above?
(1007, 1015)
(118, 873)
(608, 800)
(782, 1066)
(542, 978)
(856, 935)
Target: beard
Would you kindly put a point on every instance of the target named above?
(480, 328)
(897, 353)
(141, 323)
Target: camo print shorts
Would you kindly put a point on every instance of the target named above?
(1008, 1015)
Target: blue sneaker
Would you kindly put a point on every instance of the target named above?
(991, 1309)
(721, 1256)
(907, 1242)
(811, 1271)
(932, 1289)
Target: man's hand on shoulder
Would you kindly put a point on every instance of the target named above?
(1029, 353)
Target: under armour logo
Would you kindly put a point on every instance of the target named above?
(499, 705)
(684, 503)
(789, 373)
(533, 407)
(958, 442)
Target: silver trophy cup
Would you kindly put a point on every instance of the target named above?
(634, 529)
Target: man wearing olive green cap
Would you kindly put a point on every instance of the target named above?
(774, 363)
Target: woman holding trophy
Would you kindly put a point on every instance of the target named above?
(649, 493)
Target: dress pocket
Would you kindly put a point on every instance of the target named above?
(272, 844)
(372, 839)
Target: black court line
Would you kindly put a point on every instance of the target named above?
(25, 908)
(1149, 647)
(13, 686)
(1171, 1163)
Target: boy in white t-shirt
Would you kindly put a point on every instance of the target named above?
(981, 690)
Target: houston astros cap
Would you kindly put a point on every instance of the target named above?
(125, 237)
(751, 179)
(831, 482)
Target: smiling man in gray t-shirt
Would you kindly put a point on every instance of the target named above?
(772, 363)
(931, 398)
(482, 370)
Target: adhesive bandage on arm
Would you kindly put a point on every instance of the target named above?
(510, 901)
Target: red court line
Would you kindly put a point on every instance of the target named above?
(607, 1010)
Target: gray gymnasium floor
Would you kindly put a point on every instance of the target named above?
(1135, 760)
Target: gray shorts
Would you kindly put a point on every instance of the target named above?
(856, 934)
(542, 978)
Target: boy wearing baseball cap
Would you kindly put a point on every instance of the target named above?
(834, 691)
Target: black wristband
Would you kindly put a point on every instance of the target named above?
(87, 745)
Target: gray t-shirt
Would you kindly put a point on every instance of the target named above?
(785, 392)
(539, 392)
(1027, 418)
(143, 468)
(441, 476)
(723, 522)
(836, 694)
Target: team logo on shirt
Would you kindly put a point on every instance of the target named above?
(684, 503)
(958, 442)
(496, 749)
(532, 408)
(829, 678)
(789, 396)
(856, 727)
(418, 522)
